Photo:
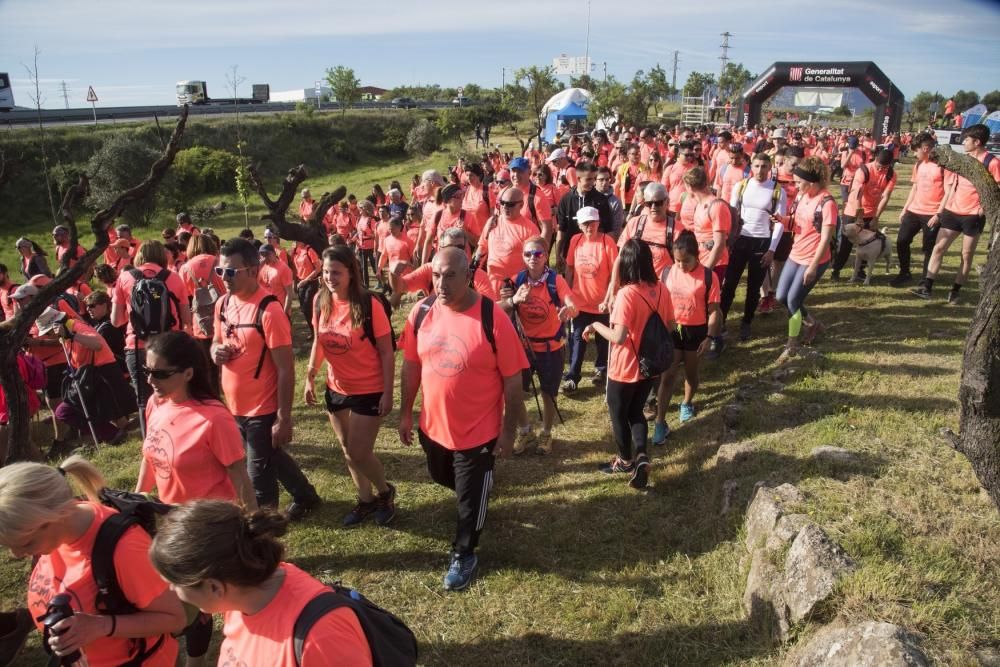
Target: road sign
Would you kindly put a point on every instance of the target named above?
(91, 95)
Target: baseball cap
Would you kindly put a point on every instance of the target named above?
(520, 163)
(779, 133)
(852, 142)
(24, 291)
(557, 154)
(587, 214)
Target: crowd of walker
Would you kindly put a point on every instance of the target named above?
(635, 240)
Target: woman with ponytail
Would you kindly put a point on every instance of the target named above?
(226, 561)
(41, 517)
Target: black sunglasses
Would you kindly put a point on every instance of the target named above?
(656, 202)
(510, 204)
(160, 373)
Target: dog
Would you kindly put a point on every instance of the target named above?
(869, 247)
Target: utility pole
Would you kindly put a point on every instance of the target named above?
(725, 52)
(673, 79)
(65, 93)
(586, 54)
(605, 71)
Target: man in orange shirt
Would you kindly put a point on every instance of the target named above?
(961, 213)
(503, 238)
(307, 205)
(870, 191)
(60, 237)
(673, 176)
(452, 342)
(253, 347)
(628, 176)
(275, 277)
(921, 209)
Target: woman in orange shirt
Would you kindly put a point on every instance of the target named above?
(639, 298)
(41, 516)
(307, 269)
(365, 231)
(813, 219)
(359, 379)
(244, 578)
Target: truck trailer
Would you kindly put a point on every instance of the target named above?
(196, 92)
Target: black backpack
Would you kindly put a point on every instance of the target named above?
(258, 324)
(368, 325)
(391, 642)
(656, 345)
(150, 303)
(486, 312)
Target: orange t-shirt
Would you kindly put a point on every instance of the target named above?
(275, 279)
(687, 294)
(68, 570)
(79, 355)
(965, 199)
(382, 230)
(539, 316)
(305, 260)
(421, 278)
(62, 250)
(729, 180)
(366, 233)
(591, 262)
(52, 355)
(655, 235)
(122, 293)
(6, 302)
(928, 188)
(709, 218)
(673, 180)
(868, 191)
(396, 250)
(265, 638)
(246, 396)
(306, 207)
(189, 445)
(454, 356)
(854, 163)
(806, 237)
(685, 217)
(543, 206)
(504, 244)
(352, 361)
(467, 220)
(199, 271)
(343, 223)
(474, 202)
(633, 306)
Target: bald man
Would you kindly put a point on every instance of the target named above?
(453, 341)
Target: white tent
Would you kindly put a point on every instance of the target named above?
(564, 97)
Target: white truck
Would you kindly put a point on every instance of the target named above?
(6, 93)
(196, 92)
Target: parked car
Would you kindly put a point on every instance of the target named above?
(404, 103)
(462, 101)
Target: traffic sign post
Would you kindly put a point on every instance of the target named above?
(92, 98)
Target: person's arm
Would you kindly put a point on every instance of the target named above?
(409, 385)
(93, 342)
(615, 335)
(718, 243)
(288, 300)
(237, 473)
(387, 361)
(883, 202)
(609, 298)
(284, 361)
(945, 200)
(315, 363)
(145, 482)
(513, 397)
(164, 615)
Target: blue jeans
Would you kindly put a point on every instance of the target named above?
(578, 346)
(268, 465)
(791, 292)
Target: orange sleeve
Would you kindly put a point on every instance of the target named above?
(140, 582)
(830, 213)
(337, 639)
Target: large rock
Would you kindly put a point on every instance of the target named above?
(813, 566)
(762, 598)
(836, 456)
(733, 452)
(767, 506)
(786, 530)
(869, 644)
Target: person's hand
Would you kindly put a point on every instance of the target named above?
(221, 353)
(77, 632)
(703, 347)
(934, 221)
(406, 428)
(505, 443)
(281, 432)
(506, 292)
(603, 307)
(588, 332)
(521, 295)
(309, 393)
(901, 214)
(766, 260)
(567, 313)
(809, 277)
(385, 404)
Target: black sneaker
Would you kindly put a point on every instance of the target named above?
(922, 291)
(901, 279)
(715, 348)
(385, 506)
(15, 626)
(360, 512)
(298, 510)
(615, 465)
(953, 299)
(745, 332)
(640, 472)
(835, 275)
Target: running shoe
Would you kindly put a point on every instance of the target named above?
(361, 511)
(600, 377)
(568, 386)
(385, 506)
(922, 291)
(787, 355)
(953, 299)
(661, 431)
(767, 305)
(616, 465)
(544, 445)
(687, 412)
(715, 348)
(525, 440)
(812, 332)
(901, 279)
(745, 332)
(640, 475)
(461, 572)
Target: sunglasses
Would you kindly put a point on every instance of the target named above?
(229, 273)
(657, 202)
(533, 254)
(160, 373)
(510, 204)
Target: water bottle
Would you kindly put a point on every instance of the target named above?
(58, 609)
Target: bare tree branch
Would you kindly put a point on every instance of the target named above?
(312, 232)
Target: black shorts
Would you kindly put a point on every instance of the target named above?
(549, 368)
(365, 405)
(784, 248)
(970, 225)
(54, 380)
(688, 338)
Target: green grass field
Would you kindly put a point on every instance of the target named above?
(578, 569)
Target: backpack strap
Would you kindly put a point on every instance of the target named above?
(709, 277)
(486, 314)
(315, 609)
(422, 310)
(740, 189)
(368, 327)
(258, 324)
(550, 283)
(818, 213)
(640, 227)
(531, 205)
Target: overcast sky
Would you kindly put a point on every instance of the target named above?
(134, 51)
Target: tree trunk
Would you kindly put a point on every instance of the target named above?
(979, 387)
(311, 232)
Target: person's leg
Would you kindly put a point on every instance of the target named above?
(601, 362)
(691, 361)
(788, 275)
(755, 279)
(440, 461)
(638, 427)
(256, 433)
(360, 451)
(909, 226)
(929, 240)
(945, 238)
(620, 396)
(969, 244)
(665, 387)
(340, 421)
(307, 293)
(578, 347)
(548, 413)
(136, 361)
(734, 271)
(473, 483)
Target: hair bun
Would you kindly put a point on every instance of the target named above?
(265, 523)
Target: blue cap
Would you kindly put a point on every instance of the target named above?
(520, 163)
(852, 142)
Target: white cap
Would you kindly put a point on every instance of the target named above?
(23, 291)
(557, 154)
(49, 320)
(587, 214)
(778, 134)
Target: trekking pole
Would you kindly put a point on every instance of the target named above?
(531, 359)
(83, 403)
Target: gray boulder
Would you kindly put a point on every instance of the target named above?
(868, 644)
(813, 566)
(836, 456)
(766, 507)
(733, 452)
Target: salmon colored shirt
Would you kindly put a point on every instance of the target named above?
(382, 230)
(633, 306)
(246, 396)
(868, 191)
(709, 218)
(854, 163)
(455, 356)
(275, 279)
(965, 200)
(636, 173)
(464, 219)
(353, 365)
(306, 261)
(685, 218)
(729, 180)
(188, 446)
(429, 219)
(306, 207)
(265, 638)
(199, 271)
(591, 261)
(504, 244)
(474, 202)
(807, 239)
(928, 188)
(82, 356)
(122, 293)
(6, 302)
(343, 224)
(539, 316)
(543, 206)
(687, 294)
(68, 570)
(396, 249)
(673, 180)
(655, 235)
(62, 250)
(421, 278)
(366, 233)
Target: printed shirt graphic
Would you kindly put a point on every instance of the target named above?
(591, 262)
(352, 362)
(539, 315)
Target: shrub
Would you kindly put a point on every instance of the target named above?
(423, 139)
(121, 163)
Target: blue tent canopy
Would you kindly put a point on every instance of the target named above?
(569, 112)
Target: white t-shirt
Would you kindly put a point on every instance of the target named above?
(756, 210)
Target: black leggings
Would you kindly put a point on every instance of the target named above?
(911, 225)
(746, 255)
(367, 257)
(625, 403)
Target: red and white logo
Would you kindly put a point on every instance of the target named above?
(795, 74)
